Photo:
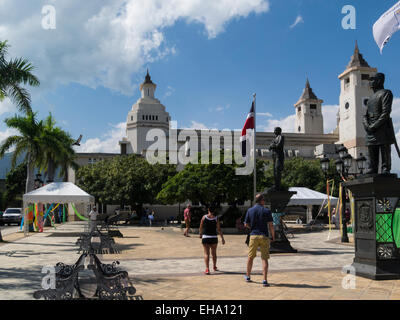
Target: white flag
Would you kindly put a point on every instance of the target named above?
(386, 26)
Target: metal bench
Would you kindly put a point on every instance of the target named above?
(66, 284)
(106, 245)
(112, 284)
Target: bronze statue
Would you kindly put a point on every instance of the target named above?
(278, 156)
(379, 126)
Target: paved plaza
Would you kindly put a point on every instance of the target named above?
(164, 265)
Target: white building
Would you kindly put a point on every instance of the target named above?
(308, 140)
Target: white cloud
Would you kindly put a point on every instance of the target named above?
(287, 124)
(264, 114)
(169, 92)
(108, 143)
(7, 133)
(220, 108)
(6, 106)
(298, 20)
(199, 126)
(329, 112)
(104, 43)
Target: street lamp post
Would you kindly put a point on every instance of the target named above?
(343, 165)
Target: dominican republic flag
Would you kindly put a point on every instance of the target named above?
(245, 138)
(386, 26)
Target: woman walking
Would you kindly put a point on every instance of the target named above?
(209, 229)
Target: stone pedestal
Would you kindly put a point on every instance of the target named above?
(377, 254)
(277, 201)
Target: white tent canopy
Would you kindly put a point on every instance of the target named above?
(307, 197)
(58, 192)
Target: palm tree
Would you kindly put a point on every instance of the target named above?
(13, 73)
(28, 142)
(57, 149)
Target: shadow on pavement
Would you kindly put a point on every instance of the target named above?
(21, 278)
(323, 252)
(147, 281)
(299, 286)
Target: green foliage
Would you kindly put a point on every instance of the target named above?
(124, 180)
(230, 216)
(299, 172)
(211, 184)
(57, 150)
(13, 74)
(15, 185)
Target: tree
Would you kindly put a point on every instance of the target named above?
(28, 143)
(13, 73)
(299, 172)
(57, 149)
(211, 184)
(15, 184)
(124, 180)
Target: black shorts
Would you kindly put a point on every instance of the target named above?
(209, 240)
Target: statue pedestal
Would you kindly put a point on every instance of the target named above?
(376, 236)
(277, 201)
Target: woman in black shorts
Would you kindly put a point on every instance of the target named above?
(209, 229)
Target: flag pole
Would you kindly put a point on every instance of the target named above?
(254, 150)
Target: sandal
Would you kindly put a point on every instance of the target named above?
(207, 271)
(216, 269)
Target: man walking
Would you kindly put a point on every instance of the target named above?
(259, 220)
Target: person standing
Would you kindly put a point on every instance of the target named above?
(151, 217)
(260, 222)
(209, 230)
(187, 215)
(93, 220)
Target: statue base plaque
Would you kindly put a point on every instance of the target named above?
(376, 240)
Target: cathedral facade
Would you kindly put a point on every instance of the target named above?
(308, 139)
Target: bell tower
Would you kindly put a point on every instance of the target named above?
(354, 94)
(309, 118)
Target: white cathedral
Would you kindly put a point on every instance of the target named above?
(308, 140)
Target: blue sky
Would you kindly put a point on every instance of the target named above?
(206, 61)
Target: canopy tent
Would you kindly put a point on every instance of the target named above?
(305, 197)
(56, 192)
(309, 198)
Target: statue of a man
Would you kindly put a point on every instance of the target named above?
(278, 156)
(378, 125)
